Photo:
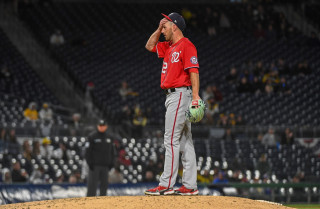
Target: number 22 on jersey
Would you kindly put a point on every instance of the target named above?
(164, 67)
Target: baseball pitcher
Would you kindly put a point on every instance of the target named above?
(180, 81)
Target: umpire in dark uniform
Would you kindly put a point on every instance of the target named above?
(100, 156)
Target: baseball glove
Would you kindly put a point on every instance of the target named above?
(196, 111)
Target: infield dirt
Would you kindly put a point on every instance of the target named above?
(163, 202)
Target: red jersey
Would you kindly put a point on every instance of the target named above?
(179, 60)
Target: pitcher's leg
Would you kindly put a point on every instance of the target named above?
(173, 129)
(188, 158)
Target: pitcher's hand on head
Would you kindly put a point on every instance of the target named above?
(162, 22)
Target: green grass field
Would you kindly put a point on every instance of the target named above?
(304, 206)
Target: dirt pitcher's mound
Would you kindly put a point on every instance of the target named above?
(127, 202)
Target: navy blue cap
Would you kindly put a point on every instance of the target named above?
(102, 122)
(176, 19)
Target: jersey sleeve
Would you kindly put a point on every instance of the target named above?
(190, 58)
(193, 70)
(161, 49)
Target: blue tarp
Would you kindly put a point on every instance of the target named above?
(15, 193)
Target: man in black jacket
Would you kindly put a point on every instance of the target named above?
(100, 155)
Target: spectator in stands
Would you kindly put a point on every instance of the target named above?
(269, 139)
(212, 110)
(126, 119)
(72, 179)
(259, 32)
(221, 179)
(17, 174)
(283, 87)
(9, 137)
(62, 152)
(283, 32)
(27, 154)
(3, 134)
(257, 85)
(232, 120)
(237, 164)
(244, 86)
(77, 174)
(57, 39)
(232, 78)
(123, 159)
(189, 17)
(263, 166)
(211, 96)
(84, 170)
(26, 150)
(139, 122)
(88, 99)
(302, 69)
(115, 176)
(272, 76)
(150, 172)
(126, 91)
(6, 78)
(217, 93)
(31, 112)
(45, 128)
(271, 79)
(211, 21)
(239, 121)
(287, 137)
(224, 21)
(283, 68)
(260, 136)
(149, 176)
(228, 135)
(298, 70)
(46, 113)
(13, 137)
(46, 150)
(6, 176)
(249, 11)
(256, 190)
(248, 65)
(298, 178)
(259, 15)
(206, 94)
(160, 163)
(205, 177)
(223, 120)
(271, 33)
(306, 68)
(36, 149)
(313, 41)
(38, 176)
(246, 74)
(59, 177)
(259, 69)
(8, 140)
(76, 125)
(268, 88)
